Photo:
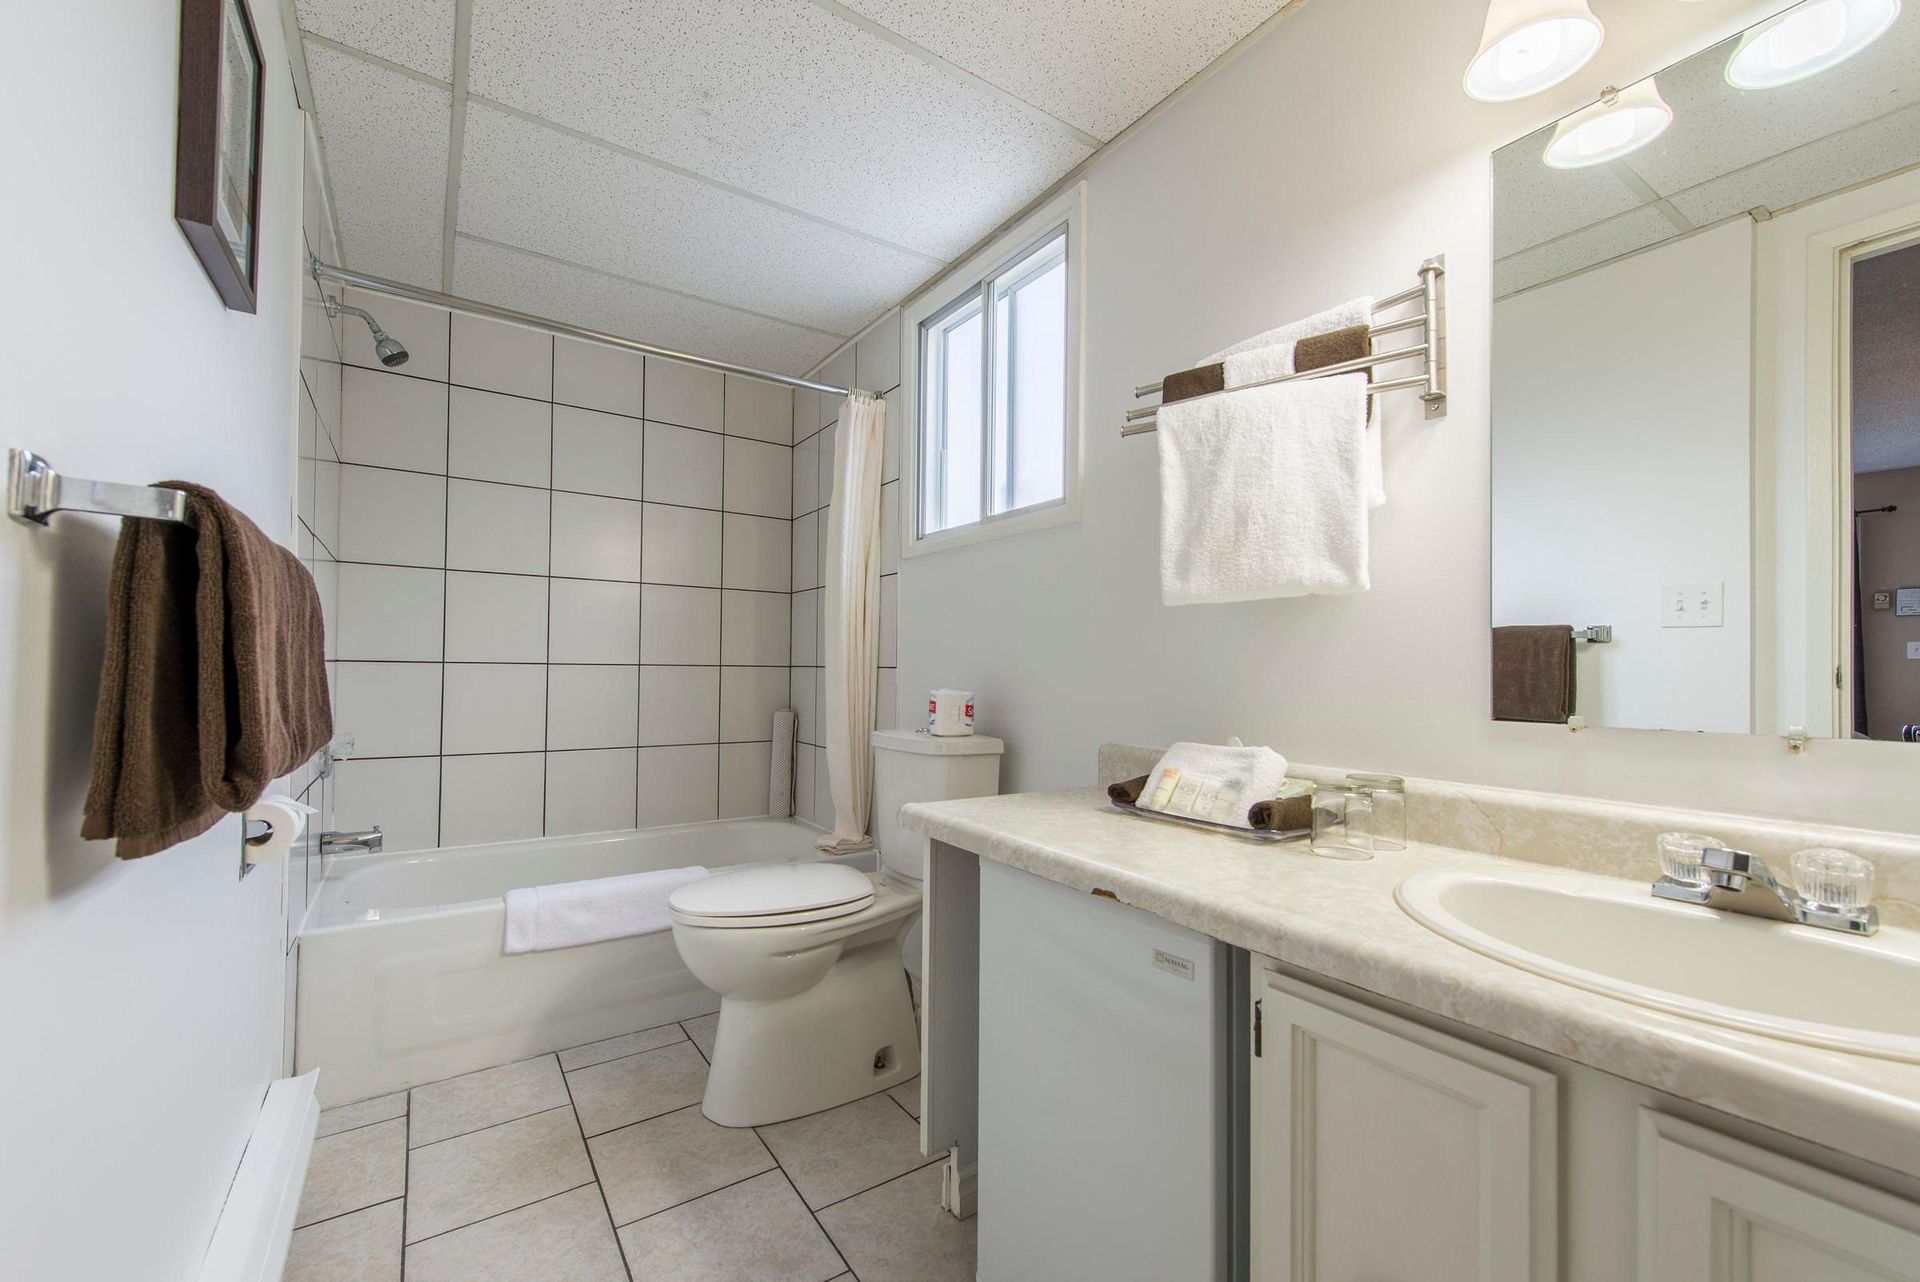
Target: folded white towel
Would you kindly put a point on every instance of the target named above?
(1237, 776)
(1270, 355)
(587, 912)
(1263, 492)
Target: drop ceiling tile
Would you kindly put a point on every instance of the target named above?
(536, 188)
(1717, 128)
(1534, 203)
(385, 136)
(781, 98)
(1094, 63)
(495, 274)
(1590, 245)
(416, 34)
(1838, 160)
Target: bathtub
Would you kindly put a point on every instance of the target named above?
(402, 977)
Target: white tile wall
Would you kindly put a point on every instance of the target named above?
(550, 548)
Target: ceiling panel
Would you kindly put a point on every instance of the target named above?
(1838, 160)
(1621, 234)
(413, 33)
(1535, 203)
(509, 278)
(781, 98)
(1094, 63)
(531, 186)
(385, 137)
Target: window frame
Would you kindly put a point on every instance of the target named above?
(954, 293)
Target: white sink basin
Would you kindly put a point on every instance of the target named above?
(1794, 982)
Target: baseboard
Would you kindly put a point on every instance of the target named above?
(958, 1187)
(256, 1225)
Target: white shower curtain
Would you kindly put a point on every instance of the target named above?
(851, 554)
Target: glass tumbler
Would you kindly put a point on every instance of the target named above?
(1342, 822)
(1389, 793)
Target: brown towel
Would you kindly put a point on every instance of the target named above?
(214, 683)
(1128, 793)
(1282, 814)
(1533, 673)
(1315, 352)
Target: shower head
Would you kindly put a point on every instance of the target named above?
(385, 345)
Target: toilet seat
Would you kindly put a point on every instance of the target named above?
(774, 895)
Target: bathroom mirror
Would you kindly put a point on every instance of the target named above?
(1706, 391)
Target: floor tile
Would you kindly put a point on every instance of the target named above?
(647, 1039)
(636, 1087)
(563, 1239)
(899, 1233)
(346, 1117)
(461, 1180)
(907, 1095)
(702, 1031)
(758, 1231)
(487, 1098)
(845, 1150)
(354, 1169)
(361, 1247)
(668, 1160)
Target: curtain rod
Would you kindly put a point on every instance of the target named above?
(381, 285)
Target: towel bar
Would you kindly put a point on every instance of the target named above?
(35, 492)
(1598, 634)
(1431, 350)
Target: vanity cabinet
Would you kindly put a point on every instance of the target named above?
(1384, 1149)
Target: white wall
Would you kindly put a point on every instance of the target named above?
(141, 1002)
(1621, 438)
(1326, 160)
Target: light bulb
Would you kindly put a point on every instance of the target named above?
(1530, 45)
(1807, 40)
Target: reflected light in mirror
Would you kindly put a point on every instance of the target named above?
(1808, 39)
(1530, 45)
(1624, 120)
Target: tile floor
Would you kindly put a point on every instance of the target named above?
(596, 1165)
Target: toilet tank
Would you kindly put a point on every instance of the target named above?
(913, 766)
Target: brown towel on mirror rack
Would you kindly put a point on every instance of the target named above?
(1533, 673)
(1314, 352)
(214, 682)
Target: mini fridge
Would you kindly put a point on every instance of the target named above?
(1113, 1086)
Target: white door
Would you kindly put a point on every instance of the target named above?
(1385, 1151)
(1713, 1208)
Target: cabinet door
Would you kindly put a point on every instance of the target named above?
(1385, 1150)
(1714, 1208)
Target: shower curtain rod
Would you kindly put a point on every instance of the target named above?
(381, 285)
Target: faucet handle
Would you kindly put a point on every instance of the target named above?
(1727, 869)
(1835, 880)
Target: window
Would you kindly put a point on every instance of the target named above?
(996, 433)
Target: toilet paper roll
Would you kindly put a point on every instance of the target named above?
(288, 819)
(950, 713)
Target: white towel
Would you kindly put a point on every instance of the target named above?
(587, 912)
(1263, 492)
(1270, 355)
(1246, 774)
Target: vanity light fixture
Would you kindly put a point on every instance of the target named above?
(1623, 120)
(1530, 45)
(1806, 40)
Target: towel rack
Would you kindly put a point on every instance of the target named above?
(35, 492)
(1431, 350)
(1598, 634)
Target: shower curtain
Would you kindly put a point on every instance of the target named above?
(851, 553)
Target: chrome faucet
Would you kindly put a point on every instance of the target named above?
(352, 843)
(1841, 885)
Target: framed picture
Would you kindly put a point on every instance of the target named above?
(216, 178)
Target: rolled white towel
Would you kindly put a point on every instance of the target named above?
(1214, 781)
(588, 912)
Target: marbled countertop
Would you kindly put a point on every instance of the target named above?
(1340, 920)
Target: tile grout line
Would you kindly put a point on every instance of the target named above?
(505, 1121)
(924, 1163)
(593, 1165)
(406, 1181)
(811, 1213)
(439, 765)
(341, 1215)
(546, 673)
(432, 1237)
(720, 710)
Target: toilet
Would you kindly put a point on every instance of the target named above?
(815, 1009)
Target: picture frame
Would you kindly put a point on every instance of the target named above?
(216, 190)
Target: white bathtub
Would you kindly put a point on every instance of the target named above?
(402, 977)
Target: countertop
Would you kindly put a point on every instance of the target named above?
(1340, 920)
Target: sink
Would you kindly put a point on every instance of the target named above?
(1787, 981)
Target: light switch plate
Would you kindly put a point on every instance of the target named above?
(1691, 605)
(1913, 649)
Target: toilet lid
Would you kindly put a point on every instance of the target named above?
(775, 889)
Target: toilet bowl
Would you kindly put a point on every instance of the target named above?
(815, 1007)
